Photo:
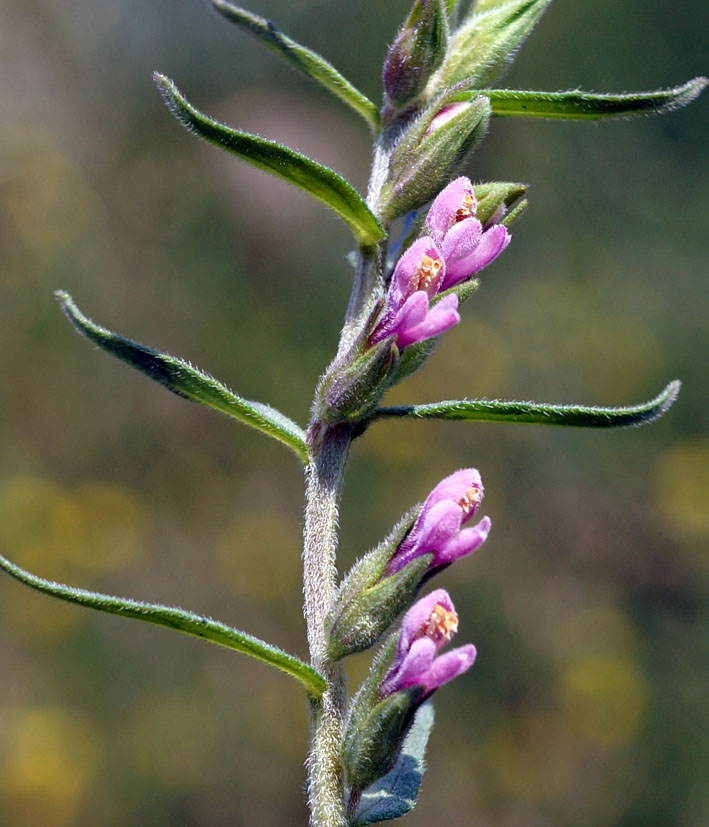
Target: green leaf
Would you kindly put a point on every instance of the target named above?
(395, 794)
(303, 59)
(482, 410)
(579, 106)
(187, 381)
(486, 41)
(179, 619)
(321, 182)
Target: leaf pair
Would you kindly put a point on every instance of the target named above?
(189, 382)
(480, 48)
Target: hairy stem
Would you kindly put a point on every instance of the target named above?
(328, 452)
(329, 449)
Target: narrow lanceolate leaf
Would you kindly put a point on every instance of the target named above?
(395, 794)
(187, 381)
(179, 619)
(580, 106)
(483, 410)
(321, 182)
(486, 41)
(303, 59)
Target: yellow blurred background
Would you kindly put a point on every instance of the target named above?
(588, 603)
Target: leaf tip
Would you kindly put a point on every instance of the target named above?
(685, 94)
(66, 303)
(167, 89)
(668, 397)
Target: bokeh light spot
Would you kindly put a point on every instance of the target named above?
(682, 485)
(47, 763)
(259, 555)
(604, 699)
(172, 739)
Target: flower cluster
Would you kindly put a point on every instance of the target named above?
(384, 583)
(455, 248)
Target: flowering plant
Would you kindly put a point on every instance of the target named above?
(366, 758)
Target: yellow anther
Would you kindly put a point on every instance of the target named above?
(428, 271)
(466, 209)
(470, 499)
(442, 623)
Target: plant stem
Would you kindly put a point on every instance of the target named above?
(329, 449)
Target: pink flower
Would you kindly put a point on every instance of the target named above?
(438, 529)
(408, 316)
(425, 629)
(465, 246)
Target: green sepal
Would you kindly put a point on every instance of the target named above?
(351, 393)
(180, 620)
(367, 695)
(486, 41)
(483, 410)
(480, 6)
(317, 180)
(371, 749)
(189, 382)
(421, 164)
(395, 794)
(368, 569)
(367, 603)
(366, 617)
(413, 356)
(419, 49)
(495, 199)
(586, 106)
(301, 58)
(515, 213)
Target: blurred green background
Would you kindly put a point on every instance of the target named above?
(588, 604)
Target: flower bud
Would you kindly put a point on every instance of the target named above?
(494, 200)
(431, 151)
(417, 52)
(349, 394)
